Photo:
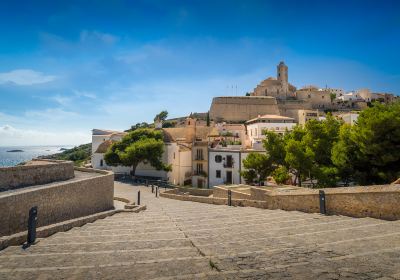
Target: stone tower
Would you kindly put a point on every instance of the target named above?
(282, 76)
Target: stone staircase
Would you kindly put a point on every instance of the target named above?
(187, 240)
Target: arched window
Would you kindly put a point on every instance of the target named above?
(218, 158)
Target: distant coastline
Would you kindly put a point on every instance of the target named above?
(14, 155)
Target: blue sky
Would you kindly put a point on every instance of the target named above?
(69, 66)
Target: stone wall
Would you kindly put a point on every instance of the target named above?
(57, 202)
(382, 202)
(242, 108)
(222, 192)
(36, 172)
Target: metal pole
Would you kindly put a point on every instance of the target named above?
(138, 198)
(32, 220)
(229, 198)
(156, 191)
(322, 202)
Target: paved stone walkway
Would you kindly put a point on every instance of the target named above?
(186, 240)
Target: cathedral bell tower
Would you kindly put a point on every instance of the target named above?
(282, 76)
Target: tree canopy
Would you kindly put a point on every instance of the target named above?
(140, 145)
(257, 167)
(329, 152)
(162, 116)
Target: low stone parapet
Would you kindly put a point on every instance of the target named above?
(35, 172)
(90, 192)
(382, 202)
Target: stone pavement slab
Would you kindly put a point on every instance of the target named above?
(187, 240)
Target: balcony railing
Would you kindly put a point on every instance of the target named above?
(228, 164)
(200, 173)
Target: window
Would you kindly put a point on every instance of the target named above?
(199, 168)
(199, 154)
(218, 173)
(174, 155)
(218, 158)
(101, 162)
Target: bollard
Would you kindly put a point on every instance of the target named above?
(138, 198)
(322, 202)
(152, 188)
(32, 220)
(229, 198)
(156, 191)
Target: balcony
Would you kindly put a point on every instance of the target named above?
(199, 173)
(199, 158)
(228, 164)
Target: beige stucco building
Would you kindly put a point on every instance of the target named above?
(319, 98)
(306, 115)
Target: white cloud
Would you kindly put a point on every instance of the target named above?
(51, 114)
(10, 136)
(83, 93)
(89, 36)
(62, 100)
(25, 77)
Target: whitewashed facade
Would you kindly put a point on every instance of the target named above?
(257, 126)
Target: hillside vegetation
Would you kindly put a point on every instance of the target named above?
(79, 155)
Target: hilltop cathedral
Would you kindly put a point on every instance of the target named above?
(278, 87)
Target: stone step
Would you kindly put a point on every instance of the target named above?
(94, 258)
(296, 233)
(65, 238)
(98, 246)
(276, 225)
(116, 270)
(124, 228)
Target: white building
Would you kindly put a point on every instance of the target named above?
(337, 91)
(178, 155)
(101, 141)
(349, 118)
(350, 96)
(278, 124)
(225, 165)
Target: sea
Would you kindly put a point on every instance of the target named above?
(28, 153)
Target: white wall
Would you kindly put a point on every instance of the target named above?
(255, 130)
(213, 166)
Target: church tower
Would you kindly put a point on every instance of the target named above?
(282, 76)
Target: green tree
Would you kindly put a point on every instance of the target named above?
(162, 116)
(299, 158)
(139, 125)
(137, 146)
(344, 154)
(208, 118)
(281, 175)
(377, 137)
(257, 167)
(274, 144)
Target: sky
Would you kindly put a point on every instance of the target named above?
(69, 66)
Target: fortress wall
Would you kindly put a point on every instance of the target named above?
(242, 108)
(36, 173)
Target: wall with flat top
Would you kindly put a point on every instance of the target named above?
(381, 201)
(90, 192)
(35, 172)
